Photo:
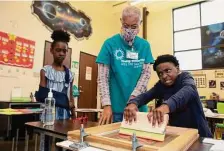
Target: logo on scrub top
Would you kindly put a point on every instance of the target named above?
(119, 54)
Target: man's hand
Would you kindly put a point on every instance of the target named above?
(156, 116)
(130, 113)
(106, 117)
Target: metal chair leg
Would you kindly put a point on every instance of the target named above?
(17, 137)
(26, 141)
(36, 135)
(13, 140)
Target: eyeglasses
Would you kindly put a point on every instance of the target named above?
(135, 26)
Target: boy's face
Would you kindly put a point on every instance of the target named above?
(167, 73)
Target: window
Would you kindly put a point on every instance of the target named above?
(198, 35)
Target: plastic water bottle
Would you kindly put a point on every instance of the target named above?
(49, 110)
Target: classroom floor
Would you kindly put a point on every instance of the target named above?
(7, 145)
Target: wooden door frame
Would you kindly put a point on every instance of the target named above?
(79, 74)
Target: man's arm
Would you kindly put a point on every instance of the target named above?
(141, 86)
(103, 84)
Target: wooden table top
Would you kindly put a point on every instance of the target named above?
(60, 127)
(199, 146)
(219, 116)
(86, 110)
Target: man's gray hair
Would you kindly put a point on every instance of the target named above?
(131, 11)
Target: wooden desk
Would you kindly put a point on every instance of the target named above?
(89, 113)
(197, 146)
(58, 130)
(9, 122)
(9, 113)
(214, 119)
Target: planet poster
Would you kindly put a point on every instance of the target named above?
(60, 15)
(212, 43)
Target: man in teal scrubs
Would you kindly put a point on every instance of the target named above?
(123, 67)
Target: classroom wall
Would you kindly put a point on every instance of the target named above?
(21, 22)
(160, 28)
(16, 18)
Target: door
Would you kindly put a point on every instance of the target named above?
(88, 84)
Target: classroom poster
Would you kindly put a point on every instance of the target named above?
(16, 51)
(222, 85)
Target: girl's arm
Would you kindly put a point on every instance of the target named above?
(43, 81)
(71, 101)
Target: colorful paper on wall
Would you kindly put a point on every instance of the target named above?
(16, 51)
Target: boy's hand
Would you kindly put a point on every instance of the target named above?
(156, 116)
(130, 113)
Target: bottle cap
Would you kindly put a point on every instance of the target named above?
(50, 94)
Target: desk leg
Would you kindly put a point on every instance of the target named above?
(13, 140)
(36, 142)
(8, 127)
(17, 137)
(26, 141)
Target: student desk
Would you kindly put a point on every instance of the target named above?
(58, 130)
(9, 113)
(215, 119)
(9, 122)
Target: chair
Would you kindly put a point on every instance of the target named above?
(211, 104)
(220, 107)
(219, 128)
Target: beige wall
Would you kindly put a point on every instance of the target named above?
(105, 22)
(160, 36)
(16, 18)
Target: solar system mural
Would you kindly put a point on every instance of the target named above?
(212, 45)
(60, 15)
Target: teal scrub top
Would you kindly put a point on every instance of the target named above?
(124, 72)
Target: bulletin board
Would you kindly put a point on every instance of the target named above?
(200, 80)
(16, 51)
(48, 57)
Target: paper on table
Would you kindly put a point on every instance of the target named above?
(67, 143)
(217, 147)
(212, 141)
(209, 113)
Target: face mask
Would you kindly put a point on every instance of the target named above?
(129, 34)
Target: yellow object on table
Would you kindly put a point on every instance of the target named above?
(9, 111)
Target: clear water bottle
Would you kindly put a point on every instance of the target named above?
(49, 110)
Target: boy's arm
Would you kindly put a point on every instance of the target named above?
(144, 98)
(183, 96)
(132, 105)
